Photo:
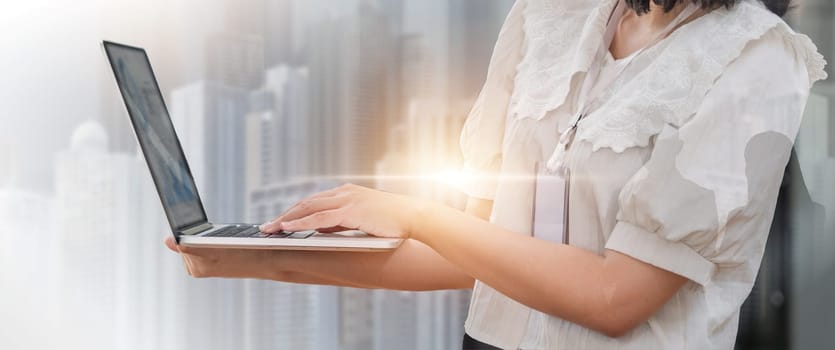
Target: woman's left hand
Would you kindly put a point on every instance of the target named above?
(348, 207)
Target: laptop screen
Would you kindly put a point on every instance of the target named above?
(156, 135)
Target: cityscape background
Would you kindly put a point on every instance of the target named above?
(274, 100)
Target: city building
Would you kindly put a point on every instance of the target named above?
(106, 220)
(350, 62)
(27, 253)
(210, 120)
(235, 60)
(21, 213)
(278, 133)
(470, 23)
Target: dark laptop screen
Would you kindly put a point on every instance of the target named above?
(156, 135)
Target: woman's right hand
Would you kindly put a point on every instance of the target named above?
(225, 262)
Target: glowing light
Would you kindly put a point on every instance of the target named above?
(453, 178)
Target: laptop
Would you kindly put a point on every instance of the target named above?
(175, 184)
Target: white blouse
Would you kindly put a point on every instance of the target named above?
(679, 166)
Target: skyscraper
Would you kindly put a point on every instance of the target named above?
(473, 28)
(350, 59)
(104, 218)
(20, 211)
(279, 32)
(235, 60)
(210, 121)
(279, 137)
(28, 277)
(278, 141)
(330, 80)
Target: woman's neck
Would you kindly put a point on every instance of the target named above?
(635, 32)
(657, 18)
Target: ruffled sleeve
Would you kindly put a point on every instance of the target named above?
(483, 132)
(705, 198)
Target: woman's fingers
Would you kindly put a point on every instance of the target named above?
(272, 226)
(304, 208)
(311, 206)
(169, 242)
(320, 219)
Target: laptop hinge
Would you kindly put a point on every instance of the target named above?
(196, 229)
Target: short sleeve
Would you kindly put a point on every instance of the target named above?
(705, 198)
(483, 132)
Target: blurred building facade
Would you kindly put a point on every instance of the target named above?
(209, 118)
(104, 209)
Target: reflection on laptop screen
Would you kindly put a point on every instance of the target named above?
(156, 136)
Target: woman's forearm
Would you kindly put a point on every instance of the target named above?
(610, 293)
(413, 266)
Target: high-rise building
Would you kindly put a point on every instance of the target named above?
(429, 22)
(279, 32)
(417, 74)
(27, 244)
(473, 28)
(235, 60)
(105, 220)
(278, 140)
(350, 59)
(22, 212)
(278, 133)
(330, 77)
(210, 121)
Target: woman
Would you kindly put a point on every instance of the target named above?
(667, 123)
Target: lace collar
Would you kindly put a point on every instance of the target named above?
(667, 83)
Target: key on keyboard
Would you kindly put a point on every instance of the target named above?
(234, 230)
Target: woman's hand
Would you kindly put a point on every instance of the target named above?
(222, 262)
(374, 212)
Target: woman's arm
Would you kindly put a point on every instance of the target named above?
(413, 266)
(611, 294)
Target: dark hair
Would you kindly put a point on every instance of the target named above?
(779, 7)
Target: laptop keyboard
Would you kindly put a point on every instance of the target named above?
(249, 231)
